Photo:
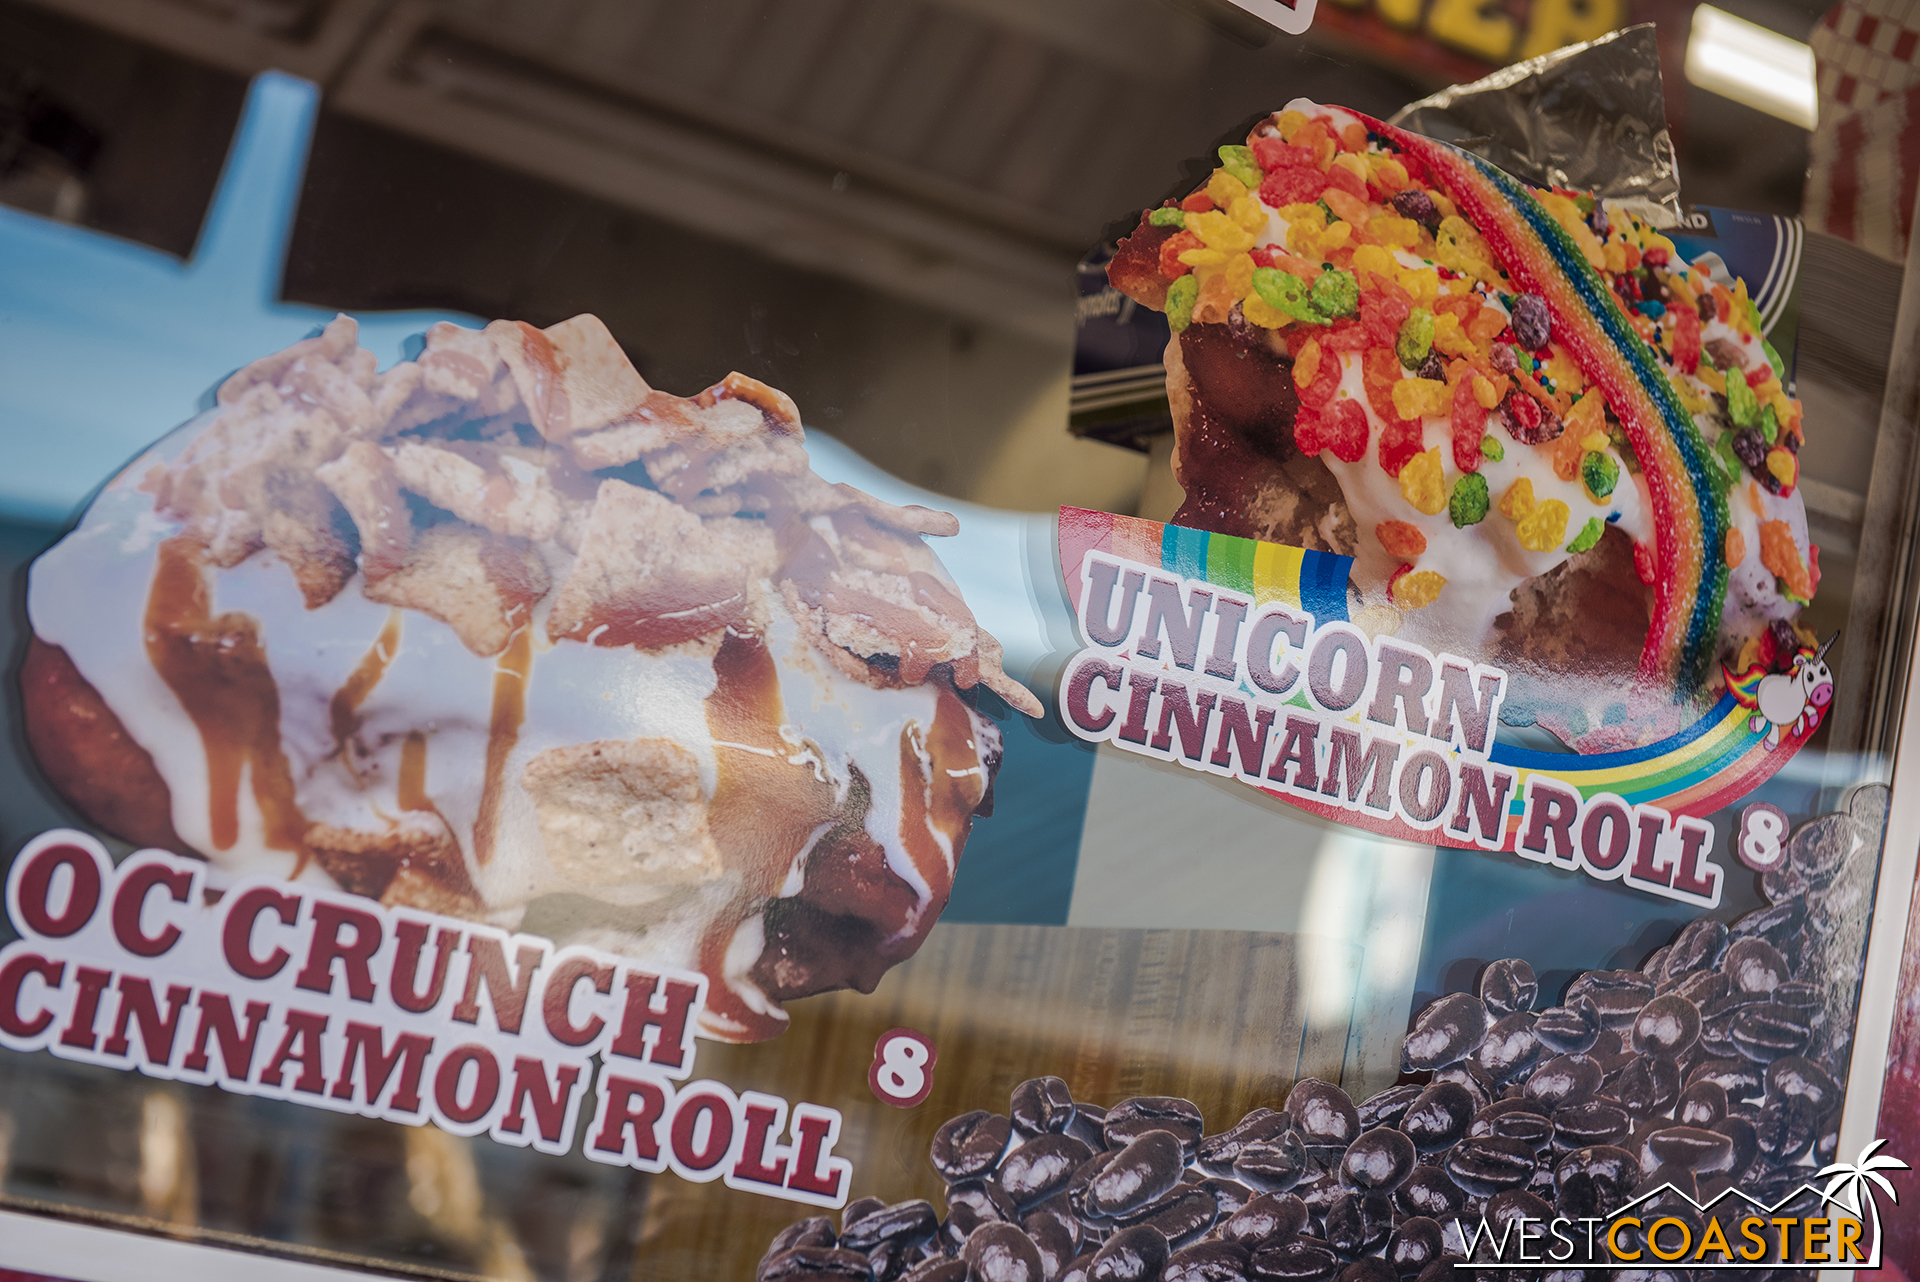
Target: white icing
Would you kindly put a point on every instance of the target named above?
(88, 595)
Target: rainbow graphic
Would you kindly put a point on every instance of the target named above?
(1690, 510)
(1314, 583)
(1696, 771)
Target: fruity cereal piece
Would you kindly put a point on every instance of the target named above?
(1171, 249)
(1344, 429)
(1401, 538)
(1543, 528)
(1415, 589)
(1422, 484)
(1518, 500)
(1468, 505)
(1469, 420)
(1779, 554)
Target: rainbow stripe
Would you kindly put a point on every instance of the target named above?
(1314, 583)
(1690, 510)
(1710, 764)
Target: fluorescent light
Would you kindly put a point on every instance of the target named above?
(1746, 62)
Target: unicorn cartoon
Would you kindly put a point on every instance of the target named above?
(1795, 699)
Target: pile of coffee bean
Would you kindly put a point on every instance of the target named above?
(1717, 1063)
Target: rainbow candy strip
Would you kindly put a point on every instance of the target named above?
(1314, 583)
(1690, 510)
(1709, 764)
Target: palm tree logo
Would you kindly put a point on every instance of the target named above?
(1852, 1185)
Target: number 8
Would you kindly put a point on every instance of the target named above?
(1759, 843)
(902, 1071)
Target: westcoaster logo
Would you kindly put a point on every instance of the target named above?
(1731, 1230)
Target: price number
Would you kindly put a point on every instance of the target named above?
(902, 1071)
(1761, 841)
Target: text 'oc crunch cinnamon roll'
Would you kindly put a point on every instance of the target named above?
(503, 632)
(1545, 438)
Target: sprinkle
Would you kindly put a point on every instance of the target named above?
(1469, 503)
(1421, 483)
(1401, 538)
(1490, 444)
(1167, 218)
(1736, 549)
(1589, 535)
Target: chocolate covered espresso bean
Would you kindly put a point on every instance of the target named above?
(824, 1264)
(1040, 1106)
(1571, 1029)
(1356, 1223)
(913, 1221)
(1386, 1108)
(1446, 1032)
(1563, 1079)
(1216, 1154)
(1488, 1164)
(1130, 1178)
(1667, 1025)
(1378, 1161)
(1617, 995)
(1272, 1165)
(1439, 1117)
(1267, 1220)
(1002, 1253)
(970, 1144)
(1416, 1243)
(1508, 986)
(1137, 1254)
(1509, 1048)
(1131, 1118)
(1209, 1262)
(1301, 1260)
(1322, 1114)
(1040, 1168)
(815, 1230)
(1429, 1191)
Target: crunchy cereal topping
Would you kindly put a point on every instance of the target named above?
(510, 463)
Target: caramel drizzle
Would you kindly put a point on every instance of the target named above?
(217, 668)
(343, 711)
(411, 786)
(509, 713)
(765, 808)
